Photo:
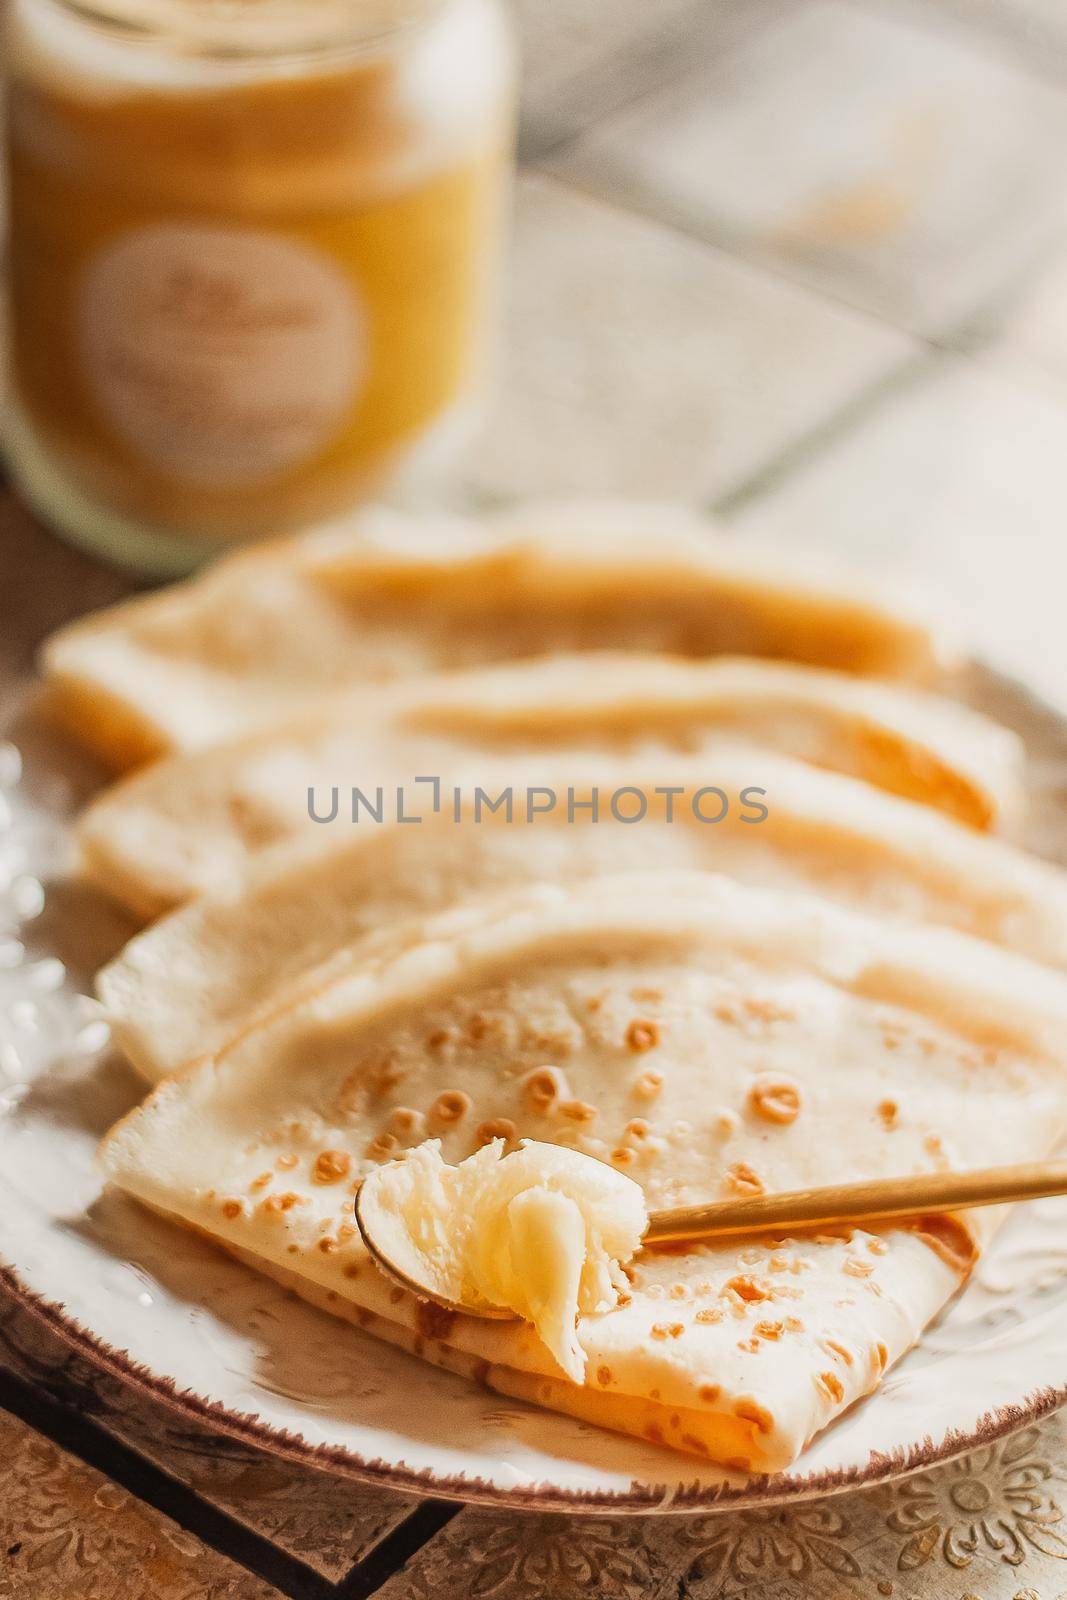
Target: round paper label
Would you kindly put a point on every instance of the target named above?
(220, 355)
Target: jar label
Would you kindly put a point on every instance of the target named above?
(220, 355)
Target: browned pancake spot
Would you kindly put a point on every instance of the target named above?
(775, 1099)
(434, 1322)
(749, 1411)
(331, 1166)
(642, 1035)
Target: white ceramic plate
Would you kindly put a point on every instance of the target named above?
(170, 1312)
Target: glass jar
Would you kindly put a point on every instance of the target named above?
(251, 257)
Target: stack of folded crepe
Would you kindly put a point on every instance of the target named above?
(706, 1038)
(265, 631)
(845, 976)
(192, 821)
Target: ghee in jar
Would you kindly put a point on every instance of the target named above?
(251, 258)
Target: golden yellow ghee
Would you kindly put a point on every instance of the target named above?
(246, 286)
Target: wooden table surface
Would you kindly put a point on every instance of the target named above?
(803, 262)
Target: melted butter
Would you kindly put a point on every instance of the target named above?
(542, 1232)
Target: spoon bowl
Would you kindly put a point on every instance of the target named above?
(422, 1290)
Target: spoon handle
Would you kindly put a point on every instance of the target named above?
(854, 1202)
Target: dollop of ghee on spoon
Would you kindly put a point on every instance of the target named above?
(543, 1233)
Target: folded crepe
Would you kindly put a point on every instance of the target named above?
(707, 1038)
(386, 596)
(194, 979)
(193, 822)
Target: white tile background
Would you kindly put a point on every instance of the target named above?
(908, 170)
(639, 360)
(805, 261)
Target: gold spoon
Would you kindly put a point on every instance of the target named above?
(873, 1199)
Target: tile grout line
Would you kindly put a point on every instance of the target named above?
(535, 148)
(960, 343)
(826, 434)
(151, 1485)
(961, 346)
(931, 353)
(619, 194)
(964, 337)
(397, 1548)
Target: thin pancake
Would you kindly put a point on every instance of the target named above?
(196, 978)
(261, 634)
(193, 822)
(707, 1037)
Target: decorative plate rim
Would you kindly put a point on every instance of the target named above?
(641, 1499)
